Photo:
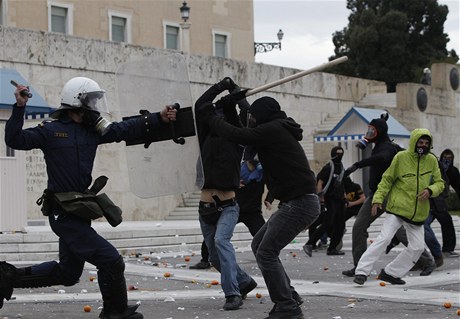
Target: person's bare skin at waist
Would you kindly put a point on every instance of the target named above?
(207, 194)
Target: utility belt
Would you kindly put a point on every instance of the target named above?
(86, 205)
(210, 212)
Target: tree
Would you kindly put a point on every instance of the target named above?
(392, 40)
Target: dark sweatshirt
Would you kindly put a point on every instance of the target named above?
(286, 168)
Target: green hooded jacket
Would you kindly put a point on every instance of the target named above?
(408, 175)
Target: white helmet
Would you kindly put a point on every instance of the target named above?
(426, 71)
(81, 92)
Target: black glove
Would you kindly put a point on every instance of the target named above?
(226, 84)
(226, 103)
(350, 170)
(205, 112)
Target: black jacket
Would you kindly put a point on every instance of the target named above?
(380, 159)
(286, 168)
(220, 157)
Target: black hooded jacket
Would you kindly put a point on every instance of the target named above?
(286, 168)
(452, 173)
(382, 154)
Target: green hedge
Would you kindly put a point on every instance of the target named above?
(453, 203)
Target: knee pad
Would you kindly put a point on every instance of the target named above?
(8, 276)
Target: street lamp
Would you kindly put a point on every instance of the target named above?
(185, 11)
(185, 27)
(263, 47)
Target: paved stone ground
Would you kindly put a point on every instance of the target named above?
(188, 294)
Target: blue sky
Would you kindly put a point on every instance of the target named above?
(308, 26)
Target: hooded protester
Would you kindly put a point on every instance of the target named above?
(332, 197)
(412, 178)
(381, 156)
(452, 173)
(289, 179)
(439, 210)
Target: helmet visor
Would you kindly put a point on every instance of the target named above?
(95, 101)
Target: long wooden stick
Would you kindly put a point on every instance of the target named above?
(296, 76)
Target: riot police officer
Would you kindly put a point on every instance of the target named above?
(69, 144)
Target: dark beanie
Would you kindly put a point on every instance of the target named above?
(262, 109)
(381, 126)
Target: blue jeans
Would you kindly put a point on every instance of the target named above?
(284, 225)
(430, 238)
(221, 251)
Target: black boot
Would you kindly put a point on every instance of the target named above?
(112, 284)
(129, 313)
(8, 275)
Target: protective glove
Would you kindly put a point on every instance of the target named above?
(226, 84)
(226, 103)
(205, 112)
(350, 170)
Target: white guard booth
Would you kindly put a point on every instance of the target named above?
(352, 128)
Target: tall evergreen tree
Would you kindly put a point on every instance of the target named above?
(392, 40)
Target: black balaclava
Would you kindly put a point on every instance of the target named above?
(264, 109)
(336, 158)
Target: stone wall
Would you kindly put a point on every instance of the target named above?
(47, 61)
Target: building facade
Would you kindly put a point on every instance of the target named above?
(223, 28)
(48, 60)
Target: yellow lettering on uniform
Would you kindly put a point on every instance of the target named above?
(61, 134)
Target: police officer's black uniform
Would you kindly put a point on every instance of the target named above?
(69, 149)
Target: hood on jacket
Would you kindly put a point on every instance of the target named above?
(445, 163)
(448, 151)
(294, 128)
(415, 135)
(266, 109)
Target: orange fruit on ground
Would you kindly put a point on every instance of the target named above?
(214, 282)
(371, 241)
(383, 284)
(146, 258)
(187, 258)
(87, 308)
(458, 312)
(294, 255)
(167, 274)
(258, 295)
(326, 268)
(92, 278)
(132, 287)
(447, 304)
